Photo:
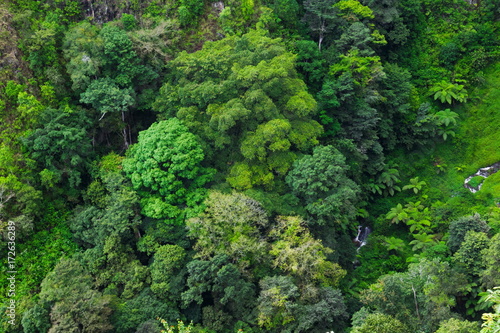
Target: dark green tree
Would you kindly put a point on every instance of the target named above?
(277, 302)
(321, 16)
(460, 227)
(62, 146)
(321, 181)
(470, 253)
(283, 308)
(113, 208)
(84, 52)
(106, 96)
(115, 268)
(168, 272)
(108, 74)
(129, 315)
(219, 281)
(36, 319)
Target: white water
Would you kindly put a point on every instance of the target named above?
(483, 172)
(361, 237)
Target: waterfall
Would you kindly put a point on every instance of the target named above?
(361, 237)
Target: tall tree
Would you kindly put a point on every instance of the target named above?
(320, 180)
(420, 298)
(62, 146)
(239, 92)
(108, 74)
(296, 252)
(232, 224)
(219, 282)
(76, 306)
(165, 168)
(321, 16)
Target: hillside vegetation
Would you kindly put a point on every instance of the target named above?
(250, 166)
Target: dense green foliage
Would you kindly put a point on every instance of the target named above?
(250, 166)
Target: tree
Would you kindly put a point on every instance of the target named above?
(113, 208)
(239, 92)
(36, 319)
(121, 62)
(396, 123)
(380, 323)
(286, 11)
(189, 11)
(62, 145)
(130, 314)
(105, 96)
(268, 152)
(296, 252)
(84, 50)
(108, 74)
(320, 180)
(76, 307)
(420, 298)
(470, 253)
(324, 312)
(221, 283)
(351, 96)
(115, 268)
(164, 167)
(156, 46)
(311, 64)
(19, 203)
(283, 308)
(356, 39)
(460, 227)
(454, 325)
(353, 10)
(320, 15)
(232, 224)
(491, 275)
(277, 301)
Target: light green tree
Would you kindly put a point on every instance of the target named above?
(449, 92)
(231, 224)
(380, 323)
(164, 167)
(243, 98)
(299, 254)
(454, 325)
(491, 321)
(415, 185)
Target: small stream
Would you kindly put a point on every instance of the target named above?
(483, 172)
